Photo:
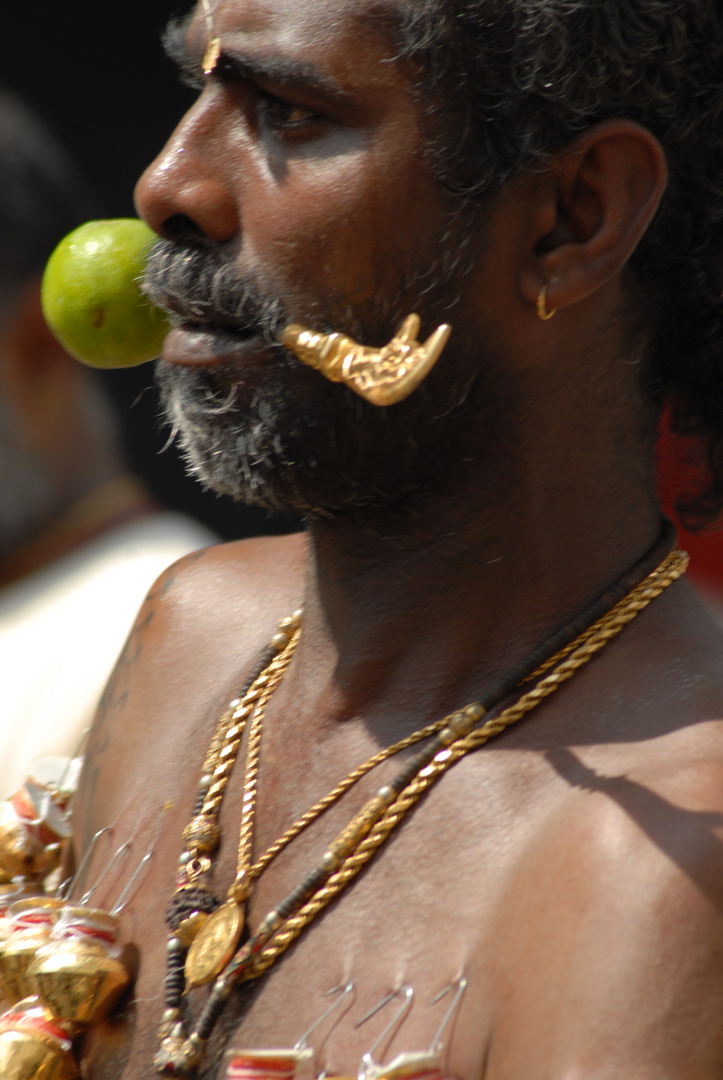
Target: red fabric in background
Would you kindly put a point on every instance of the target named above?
(682, 470)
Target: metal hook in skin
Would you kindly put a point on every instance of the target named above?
(420, 1063)
(345, 991)
(407, 993)
(381, 376)
(123, 898)
(118, 854)
(436, 1044)
(247, 1062)
(67, 886)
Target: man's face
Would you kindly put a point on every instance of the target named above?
(296, 190)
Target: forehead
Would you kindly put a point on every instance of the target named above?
(342, 31)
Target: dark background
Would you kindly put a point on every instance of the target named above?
(95, 72)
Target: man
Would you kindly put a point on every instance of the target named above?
(80, 539)
(487, 166)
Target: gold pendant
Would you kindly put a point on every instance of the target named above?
(215, 944)
(381, 376)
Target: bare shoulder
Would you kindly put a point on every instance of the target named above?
(197, 635)
(220, 582)
(221, 599)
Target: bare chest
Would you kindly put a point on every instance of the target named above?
(411, 933)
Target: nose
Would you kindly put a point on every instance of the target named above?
(183, 194)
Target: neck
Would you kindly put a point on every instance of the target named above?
(422, 609)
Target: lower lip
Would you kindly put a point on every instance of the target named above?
(196, 346)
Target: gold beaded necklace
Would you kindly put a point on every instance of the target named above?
(214, 950)
(204, 934)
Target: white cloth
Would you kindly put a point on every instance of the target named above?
(62, 628)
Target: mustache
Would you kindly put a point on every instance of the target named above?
(201, 285)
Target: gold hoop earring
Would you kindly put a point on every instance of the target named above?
(542, 311)
(381, 376)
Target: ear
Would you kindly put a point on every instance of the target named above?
(593, 205)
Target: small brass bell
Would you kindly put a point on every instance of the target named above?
(33, 1046)
(16, 890)
(77, 973)
(31, 921)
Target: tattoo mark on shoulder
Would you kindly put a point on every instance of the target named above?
(145, 620)
(167, 585)
(186, 561)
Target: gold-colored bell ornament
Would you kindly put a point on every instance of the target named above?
(31, 921)
(78, 974)
(20, 852)
(34, 1046)
(18, 889)
(381, 376)
(34, 827)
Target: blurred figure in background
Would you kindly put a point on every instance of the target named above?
(80, 539)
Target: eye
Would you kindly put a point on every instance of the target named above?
(284, 114)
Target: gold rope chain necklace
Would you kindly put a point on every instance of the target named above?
(213, 940)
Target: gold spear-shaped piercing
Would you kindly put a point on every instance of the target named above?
(213, 50)
(381, 376)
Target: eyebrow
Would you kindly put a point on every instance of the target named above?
(173, 39)
(278, 71)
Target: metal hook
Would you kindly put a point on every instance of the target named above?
(436, 1044)
(407, 992)
(123, 898)
(66, 888)
(119, 852)
(345, 991)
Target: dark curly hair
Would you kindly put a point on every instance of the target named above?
(520, 79)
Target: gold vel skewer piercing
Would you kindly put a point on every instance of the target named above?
(381, 376)
(213, 50)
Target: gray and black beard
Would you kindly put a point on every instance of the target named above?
(277, 434)
(26, 497)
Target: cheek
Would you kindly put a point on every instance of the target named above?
(349, 226)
